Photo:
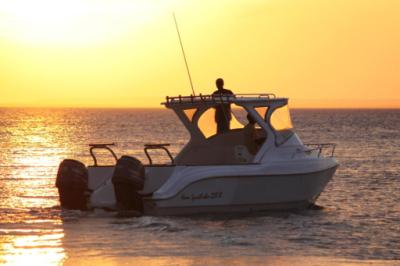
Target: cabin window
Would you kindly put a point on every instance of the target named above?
(207, 124)
(262, 111)
(282, 124)
(280, 119)
(190, 113)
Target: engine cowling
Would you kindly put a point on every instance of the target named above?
(72, 184)
(128, 179)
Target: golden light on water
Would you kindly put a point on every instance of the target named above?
(44, 250)
(40, 142)
(34, 148)
(34, 232)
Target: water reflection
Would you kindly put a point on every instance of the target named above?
(33, 142)
(217, 261)
(41, 250)
(29, 233)
(36, 149)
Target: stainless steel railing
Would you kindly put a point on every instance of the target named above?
(213, 97)
(327, 149)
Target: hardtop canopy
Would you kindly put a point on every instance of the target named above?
(193, 101)
(208, 144)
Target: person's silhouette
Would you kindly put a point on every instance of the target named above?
(253, 138)
(223, 111)
(250, 135)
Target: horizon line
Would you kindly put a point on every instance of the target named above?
(163, 108)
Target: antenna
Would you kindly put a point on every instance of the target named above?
(183, 52)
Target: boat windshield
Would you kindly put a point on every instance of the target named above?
(208, 122)
(230, 136)
(282, 124)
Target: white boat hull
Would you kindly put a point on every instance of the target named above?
(243, 194)
(224, 193)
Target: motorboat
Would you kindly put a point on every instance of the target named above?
(258, 163)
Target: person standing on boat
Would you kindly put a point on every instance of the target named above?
(223, 111)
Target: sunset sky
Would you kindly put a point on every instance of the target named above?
(126, 53)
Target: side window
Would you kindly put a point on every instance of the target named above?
(207, 124)
(190, 113)
(262, 111)
(280, 119)
(282, 124)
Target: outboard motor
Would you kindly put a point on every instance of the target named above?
(128, 179)
(72, 184)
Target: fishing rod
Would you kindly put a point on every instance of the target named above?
(184, 55)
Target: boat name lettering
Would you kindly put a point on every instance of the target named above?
(202, 196)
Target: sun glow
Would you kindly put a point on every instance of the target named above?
(75, 21)
(125, 53)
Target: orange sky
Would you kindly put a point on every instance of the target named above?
(125, 53)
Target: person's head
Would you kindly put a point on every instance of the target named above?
(251, 119)
(220, 83)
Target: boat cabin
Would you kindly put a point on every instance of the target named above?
(230, 129)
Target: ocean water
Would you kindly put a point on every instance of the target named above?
(359, 223)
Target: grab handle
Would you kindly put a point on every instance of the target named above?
(157, 146)
(102, 146)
